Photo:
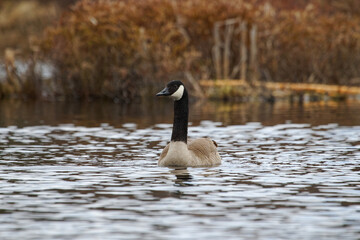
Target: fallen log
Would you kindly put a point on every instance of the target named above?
(284, 86)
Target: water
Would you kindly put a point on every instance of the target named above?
(89, 171)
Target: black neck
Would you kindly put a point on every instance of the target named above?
(181, 115)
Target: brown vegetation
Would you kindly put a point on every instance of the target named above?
(22, 21)
(107, 48)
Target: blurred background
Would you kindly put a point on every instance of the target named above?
(105, 49)
(276, 83)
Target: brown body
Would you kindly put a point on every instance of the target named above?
(197, 153)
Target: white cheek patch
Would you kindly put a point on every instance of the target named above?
(178, 94)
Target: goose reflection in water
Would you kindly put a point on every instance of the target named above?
(183, 177)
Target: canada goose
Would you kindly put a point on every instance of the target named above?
(179, 152)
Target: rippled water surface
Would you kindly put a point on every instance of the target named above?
(90, 172)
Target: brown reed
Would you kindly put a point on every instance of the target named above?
(108, 48)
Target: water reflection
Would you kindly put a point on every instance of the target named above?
(183, 177)
(153, 111)
(92, 179)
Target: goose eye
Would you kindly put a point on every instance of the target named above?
(174, 88)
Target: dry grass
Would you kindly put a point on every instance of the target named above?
(23, 21)
(108, 48)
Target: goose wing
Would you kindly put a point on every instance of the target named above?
(164, 152)
(205, 149)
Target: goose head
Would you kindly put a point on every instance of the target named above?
(174, 89)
